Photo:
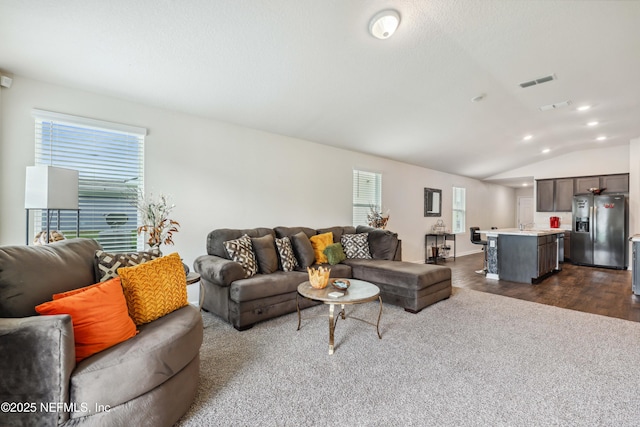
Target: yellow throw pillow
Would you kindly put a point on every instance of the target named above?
(154, 288)
(319, 242)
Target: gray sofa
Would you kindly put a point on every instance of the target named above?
(241, 301)
(150, 379)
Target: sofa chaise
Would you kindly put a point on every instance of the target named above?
(149, 379)
(226, 291)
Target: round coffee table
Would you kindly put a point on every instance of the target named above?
(359, 292)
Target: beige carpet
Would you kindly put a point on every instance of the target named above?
(475, 359)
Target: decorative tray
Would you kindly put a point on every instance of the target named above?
(341, 284)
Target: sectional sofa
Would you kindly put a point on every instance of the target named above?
(227, 291)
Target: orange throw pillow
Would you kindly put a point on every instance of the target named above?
(154, 288)
(319, 242)
(99, 316)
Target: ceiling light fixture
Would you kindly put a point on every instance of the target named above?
(584, 107)
(546, 150)
(594, 123)
(384, 24)
(601, 138)
(527, 137)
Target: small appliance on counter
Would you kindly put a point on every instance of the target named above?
(554, 222)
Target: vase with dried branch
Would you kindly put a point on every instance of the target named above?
(155, 220)
(376, 218)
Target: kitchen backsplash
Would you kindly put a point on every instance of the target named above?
(541, 219)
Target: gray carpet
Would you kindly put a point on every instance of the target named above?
(475, 359)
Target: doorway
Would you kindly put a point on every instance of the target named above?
(525, 210)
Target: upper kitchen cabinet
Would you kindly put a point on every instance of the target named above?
(544, 195)
(583, 184)
(615, 183)
(563, 196)
(554, 195)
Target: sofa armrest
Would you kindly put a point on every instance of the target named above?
(217, 270)
(38, 355)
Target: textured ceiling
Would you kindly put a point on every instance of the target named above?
(310, 69)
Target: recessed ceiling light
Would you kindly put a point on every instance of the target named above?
(525, 184)
(592, 123)
(584, 107)
(546, 150)
(527, 137)
(384, 24)
(601, 138)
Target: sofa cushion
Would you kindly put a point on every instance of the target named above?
(29, 275)
(319, 243)
(303, 249)
(155, 288)
(382, 243)
(216, 238)
(400, 274)
(241, 251)
(132, 368)
(335, 253)
(266, 255)
(99, 316)
(338, 231)
(290, 231)
(356, 246)
(107, 264)
(266, 285)
(288, 260)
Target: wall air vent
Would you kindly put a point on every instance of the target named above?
(538, 81)
(555, 106)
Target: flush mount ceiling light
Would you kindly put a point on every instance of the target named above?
(546, 150)
(594, 123)
(384, 24)
(584, 108)
(601, 138)
(527, 137)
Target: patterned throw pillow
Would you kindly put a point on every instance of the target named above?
(319, 242)
(240, 250)
(285, 251)
(108, 263)
(356, 245)
(154, 288)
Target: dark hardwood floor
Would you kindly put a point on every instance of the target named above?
(592, 290)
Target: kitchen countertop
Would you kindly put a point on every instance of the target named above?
(635, 238)
(533, 233)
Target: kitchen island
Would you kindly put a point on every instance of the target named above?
(526, 256)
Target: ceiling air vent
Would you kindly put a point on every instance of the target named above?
(538, 81)
(555, 106)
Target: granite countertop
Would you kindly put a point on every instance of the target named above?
(533, 233)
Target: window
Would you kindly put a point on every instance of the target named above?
(367, 192)
(109, 161)
(459, 209)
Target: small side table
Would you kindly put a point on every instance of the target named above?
(192, 278)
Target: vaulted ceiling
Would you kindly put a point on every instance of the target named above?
(310, 69)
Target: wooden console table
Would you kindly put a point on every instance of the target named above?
(439, 240)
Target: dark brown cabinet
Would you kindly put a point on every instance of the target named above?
(615, 183)
(554, 195)
(584, 183)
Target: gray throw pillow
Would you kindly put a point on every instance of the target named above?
(265, 249)
(356, 245)
(303, 249)
(240, 250)
(288, 259)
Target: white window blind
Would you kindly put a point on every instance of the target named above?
(367, 192)
(459, 209)
(109, 160)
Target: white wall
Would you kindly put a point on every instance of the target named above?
(223, 175)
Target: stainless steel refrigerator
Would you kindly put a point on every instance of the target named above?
(599, 234)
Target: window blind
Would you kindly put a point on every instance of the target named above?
(459, 209)
(109, 158)
(367, 192)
